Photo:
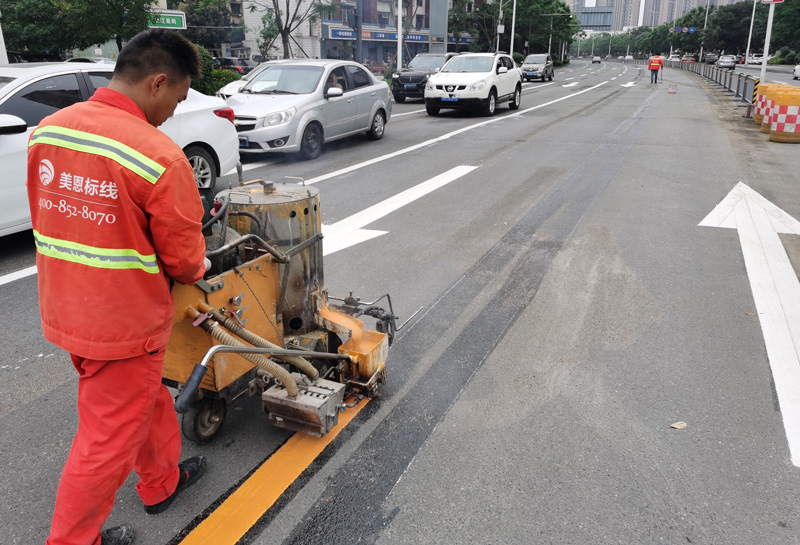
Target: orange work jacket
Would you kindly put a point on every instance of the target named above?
(116, 214)
(655, 63)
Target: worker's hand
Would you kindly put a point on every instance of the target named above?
(207, 263)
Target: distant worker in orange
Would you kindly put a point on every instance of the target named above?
(116, 219)
(655, 64)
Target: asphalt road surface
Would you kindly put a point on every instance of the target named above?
(573, 311)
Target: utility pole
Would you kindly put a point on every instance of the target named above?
(766, 40)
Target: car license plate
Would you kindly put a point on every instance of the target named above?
(532, 74)
(449, 99)
(244, 141)
(410, 85)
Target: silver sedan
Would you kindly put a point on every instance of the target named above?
(299, 105)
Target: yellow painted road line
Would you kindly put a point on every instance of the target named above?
(237, 514)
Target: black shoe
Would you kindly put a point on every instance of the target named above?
(191, 469)
(118, 535)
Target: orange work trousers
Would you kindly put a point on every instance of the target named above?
(127, 422)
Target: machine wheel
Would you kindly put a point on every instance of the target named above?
(203, 165)
(378, 126)
(491, 104)
(204, 420)
(431, 109)
(399, 98)
(517, 100)
(311, 144)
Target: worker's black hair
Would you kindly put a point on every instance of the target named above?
(158, 50)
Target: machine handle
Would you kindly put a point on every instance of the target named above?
(186, 396)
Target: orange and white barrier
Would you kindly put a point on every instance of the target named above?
(784, 125)
(761, 98)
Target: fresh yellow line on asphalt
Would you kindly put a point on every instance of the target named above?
(237, 514)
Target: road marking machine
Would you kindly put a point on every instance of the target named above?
(262, 322)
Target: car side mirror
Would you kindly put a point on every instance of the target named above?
(11, 124)
(502, 70)
(334, 92)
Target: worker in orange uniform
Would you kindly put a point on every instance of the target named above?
(655, 64)
(116, 218)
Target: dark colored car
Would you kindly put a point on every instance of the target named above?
(243, 66)
(410, 81)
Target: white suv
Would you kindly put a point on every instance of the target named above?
(475, 80)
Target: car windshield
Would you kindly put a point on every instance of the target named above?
(469, 64)
(535, 59)
(283, 79)
(253, 73)
(427, 62)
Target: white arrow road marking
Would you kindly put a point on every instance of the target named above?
(629, 84)
(776, 292)
(573, 84)
(348, 232)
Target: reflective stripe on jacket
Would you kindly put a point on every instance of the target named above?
(655, 63)
(116, 215)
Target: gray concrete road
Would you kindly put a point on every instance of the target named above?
(573, 310)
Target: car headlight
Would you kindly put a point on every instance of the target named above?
(278, 118)
(395, 75)
(478, 85)
(429, 86)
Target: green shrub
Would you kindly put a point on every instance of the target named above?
(221, 78)
(518, 58)
(775, 60)
(203, 84)
(792, 58)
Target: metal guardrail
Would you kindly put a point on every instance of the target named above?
(739, 84)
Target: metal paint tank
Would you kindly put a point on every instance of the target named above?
(286, 216)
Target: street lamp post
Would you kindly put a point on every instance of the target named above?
(399, 34)
(3, 54)
(551, 15)
(703, 41)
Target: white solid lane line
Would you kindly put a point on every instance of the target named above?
(427, 143)
(32, 270)
(349, 231)
(17, 275)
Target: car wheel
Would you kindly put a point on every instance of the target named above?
(399, 98)
(544, 77)
(431, 109)
(491, 104)
(517, 100)
(378, 126)
(311, 144)
(203, 165)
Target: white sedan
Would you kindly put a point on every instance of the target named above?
(202, 126)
